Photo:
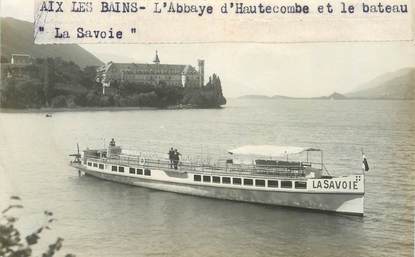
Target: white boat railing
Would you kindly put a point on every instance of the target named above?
(284, 169)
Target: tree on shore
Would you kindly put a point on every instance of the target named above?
(208, 96)
(14, 244)
(56, 83)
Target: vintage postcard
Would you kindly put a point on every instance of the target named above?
(207, 128)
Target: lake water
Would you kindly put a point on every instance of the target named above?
(100, 218)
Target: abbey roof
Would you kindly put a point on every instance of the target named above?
(146, 67)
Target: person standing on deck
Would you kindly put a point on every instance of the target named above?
(171, 157)
(176, 158)
(112, 143)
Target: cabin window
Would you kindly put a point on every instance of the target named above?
(215, 179)
(95, 164)
(206, 178)
(237, 181)
(89, 163)
(139, 171)
(272, 183)
(132, 171)
(114, 168)
(286, 184)
(226, 180)
(259, 182)
(248, 182)
(300, 184)
(120, 169)
(101, 166)
(197, 178)
(147, 172)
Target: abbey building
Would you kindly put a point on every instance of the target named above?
(154, 74)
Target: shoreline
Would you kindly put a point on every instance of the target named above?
(317, 98)
(94, 109)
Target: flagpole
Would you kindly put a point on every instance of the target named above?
(363, 154)
(365, 165)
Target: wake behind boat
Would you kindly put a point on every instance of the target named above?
(252, 173)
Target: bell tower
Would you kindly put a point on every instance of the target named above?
(156, 58)
(201, 65)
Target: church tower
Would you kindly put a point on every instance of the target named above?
(156, 58)
(201, 64)
(157, 73)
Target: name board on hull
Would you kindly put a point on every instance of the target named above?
(343, 184)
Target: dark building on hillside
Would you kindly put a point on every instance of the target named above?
(16, 68)
(21, 59)
(153, 74)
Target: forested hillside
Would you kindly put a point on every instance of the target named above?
(56, 83)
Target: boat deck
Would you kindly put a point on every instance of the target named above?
(280, 169)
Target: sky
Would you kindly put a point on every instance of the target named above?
(299, 69)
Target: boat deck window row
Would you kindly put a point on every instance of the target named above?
(215, 179)
(121, 169)
(250, 182)
(138, 171)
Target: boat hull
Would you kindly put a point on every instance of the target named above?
(346, 203)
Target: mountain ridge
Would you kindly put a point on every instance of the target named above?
(399, 84)
(395, 85)
(17, 38)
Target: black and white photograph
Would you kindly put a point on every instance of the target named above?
(214, 149)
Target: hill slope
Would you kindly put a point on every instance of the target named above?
(17, 37)
(255, 97)
(394, 85)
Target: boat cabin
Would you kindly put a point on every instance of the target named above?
(262, 160)
(266, 158)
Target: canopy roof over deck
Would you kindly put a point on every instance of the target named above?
(269, 150)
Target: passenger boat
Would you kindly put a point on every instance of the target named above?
(262, 174)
